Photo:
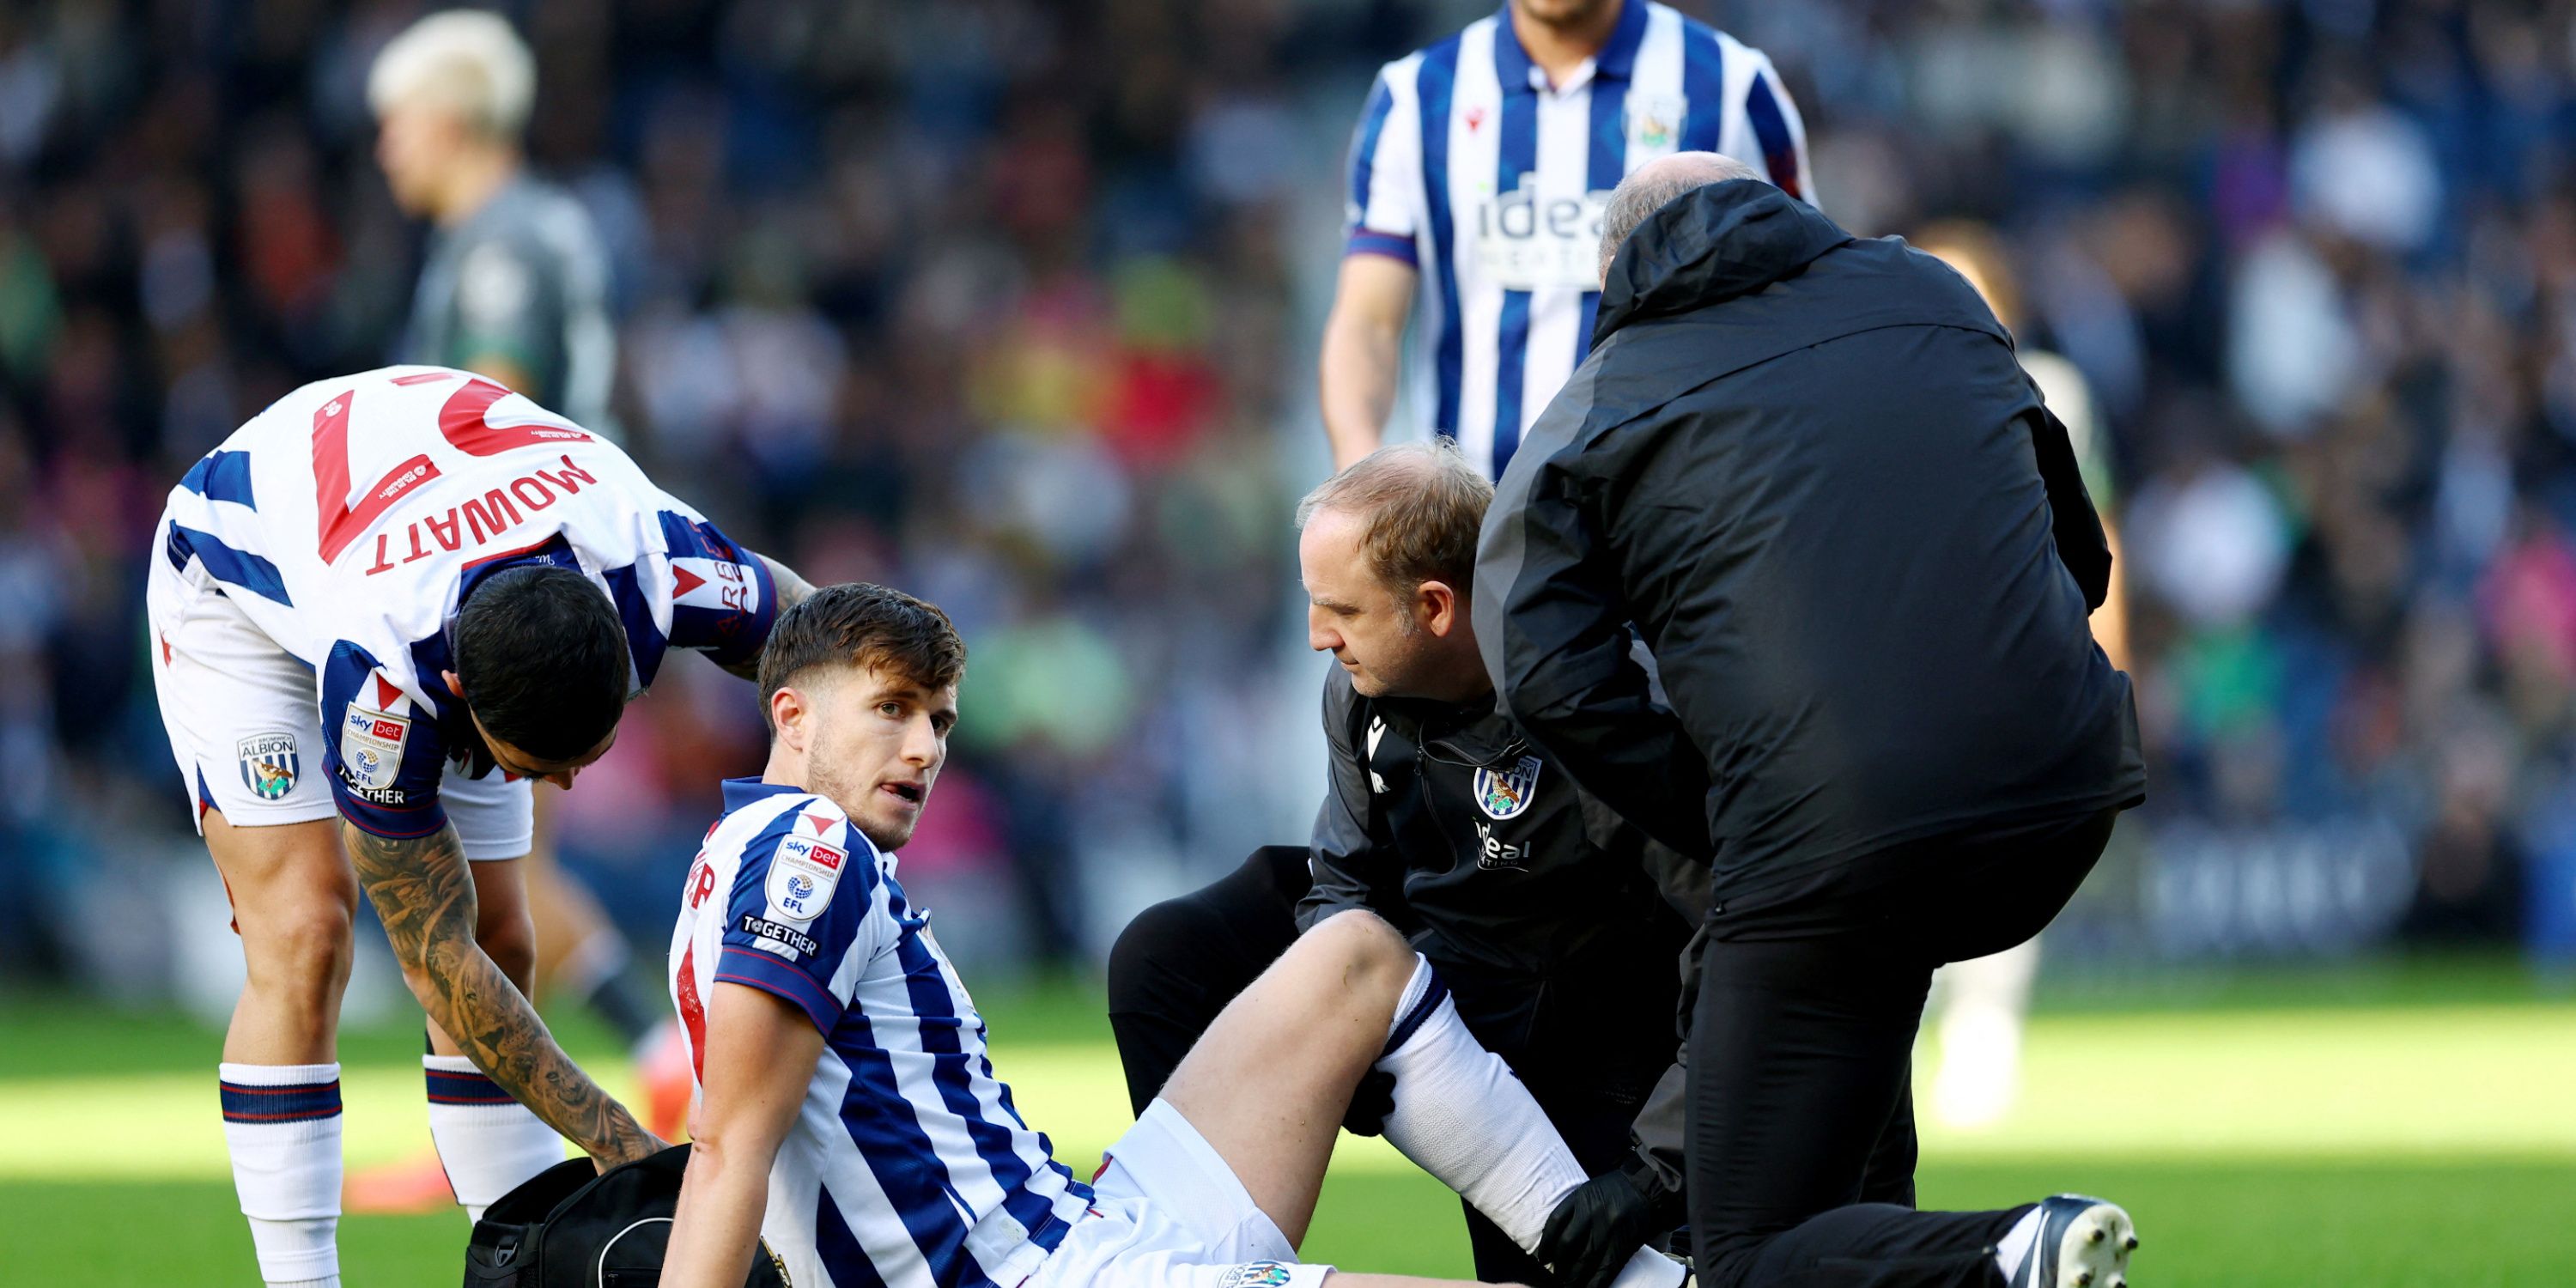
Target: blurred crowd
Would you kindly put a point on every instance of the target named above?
(1011, 303)
(2317, 261)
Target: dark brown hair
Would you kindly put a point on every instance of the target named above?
(544, 660)
(863, 625)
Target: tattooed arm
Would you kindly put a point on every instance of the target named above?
(792, 591)
(425, 897)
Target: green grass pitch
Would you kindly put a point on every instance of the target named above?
(2318, 1132)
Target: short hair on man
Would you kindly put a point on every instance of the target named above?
(465, 60)
(1658, 184)
(864, 626)
(543, 657)
(1422, 501)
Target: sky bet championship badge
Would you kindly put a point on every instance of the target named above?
(371, 745)
(801, 877)
(1504, 795)
(267, 764)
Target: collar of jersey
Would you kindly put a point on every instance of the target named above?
(1515, 71)
(739, 792)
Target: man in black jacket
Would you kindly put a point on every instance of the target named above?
(1808, 471)
(1556, 926)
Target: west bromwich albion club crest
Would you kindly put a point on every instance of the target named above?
(1505, 794)
(1654, 124)
(268, 764)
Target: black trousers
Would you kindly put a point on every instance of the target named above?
(1799, 1052)
(1179, 962)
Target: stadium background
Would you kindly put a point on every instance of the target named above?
(1013, 304)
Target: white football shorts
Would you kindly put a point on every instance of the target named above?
(1171, 1214)
(245, 724)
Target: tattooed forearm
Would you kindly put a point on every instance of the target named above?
(425, 897)
(792, 591)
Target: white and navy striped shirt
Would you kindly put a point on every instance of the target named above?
(908, 1167)
(1470, 166)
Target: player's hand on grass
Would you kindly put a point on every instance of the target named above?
(1594, 1232)
(1371, 1102)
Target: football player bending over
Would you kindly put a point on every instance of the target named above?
(847, 1110)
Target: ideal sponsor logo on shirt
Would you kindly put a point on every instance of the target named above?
(1528, 242)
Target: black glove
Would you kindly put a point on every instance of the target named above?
(1371, 1102)
(1595, 1230)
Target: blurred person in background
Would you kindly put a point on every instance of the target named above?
(1984, 1001)
(1482, 163)
(516, 288)
(1857, 545)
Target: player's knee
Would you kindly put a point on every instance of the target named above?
(301, 952)
(1364, 947)
(511, 943)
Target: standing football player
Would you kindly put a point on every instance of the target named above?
(1478, 173)
(472, 587)
(516, 288)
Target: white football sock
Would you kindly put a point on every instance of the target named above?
(489, 1143)
(1462, 1115)
(2015, 1247)
(282, 1127)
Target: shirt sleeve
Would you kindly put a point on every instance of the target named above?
(1552, 622)
(1773, 131)
(509, 306)
(723, 599)
(384, 753)
(1354, 865)
(806, 901)
(1385, 180)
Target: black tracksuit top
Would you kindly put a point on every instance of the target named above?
(1556, 926)
(1809, 470)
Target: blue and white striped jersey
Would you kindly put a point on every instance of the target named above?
(908, 1166)
(349, 519)
(1468, 165)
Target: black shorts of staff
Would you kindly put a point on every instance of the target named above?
(571, 1227)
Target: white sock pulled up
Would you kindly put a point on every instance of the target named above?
(1462, 1115)
(489, 1143)
(282, 1128)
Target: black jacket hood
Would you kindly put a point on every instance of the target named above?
(1712, 244)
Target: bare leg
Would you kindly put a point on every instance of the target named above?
(1268, 1084)
(293, 894)
(503, 927)
(571, 928)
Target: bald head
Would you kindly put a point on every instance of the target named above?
(1655, 185)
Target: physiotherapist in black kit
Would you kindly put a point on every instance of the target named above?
(1555, 925)
(1807, 469)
